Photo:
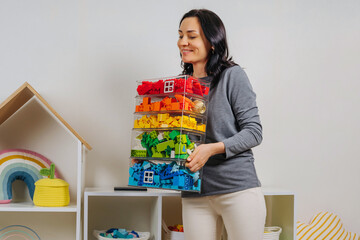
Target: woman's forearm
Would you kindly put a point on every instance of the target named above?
(217, 148)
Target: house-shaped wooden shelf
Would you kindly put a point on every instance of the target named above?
(27, 121)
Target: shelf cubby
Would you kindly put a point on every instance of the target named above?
(105, 208)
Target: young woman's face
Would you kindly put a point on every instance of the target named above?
(193, 45)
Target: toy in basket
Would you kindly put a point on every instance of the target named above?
(119, 233)
(51, 192)
(272, 233)
(173, 235)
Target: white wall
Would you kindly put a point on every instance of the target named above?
(85, 56)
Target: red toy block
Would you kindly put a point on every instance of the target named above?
(205, 90)
(140, 90)
(189, 86)
(197, 88)
(144, 88)
(179, 85)
(159, 87)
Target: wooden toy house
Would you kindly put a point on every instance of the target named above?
(27, 121)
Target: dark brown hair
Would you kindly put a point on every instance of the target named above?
(214, 31)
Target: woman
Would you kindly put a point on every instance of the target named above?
(230, 191)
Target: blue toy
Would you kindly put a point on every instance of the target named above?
(168, 176)
(119, 233)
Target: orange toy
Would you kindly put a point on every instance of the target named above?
(177, 228)
(183, 99)
(167, 104)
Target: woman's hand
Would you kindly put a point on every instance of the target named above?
(202, 153)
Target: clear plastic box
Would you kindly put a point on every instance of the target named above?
(164, 144)
(169, 123)
(169, 120)
(171, 175)
(172, 103)
(183, 84)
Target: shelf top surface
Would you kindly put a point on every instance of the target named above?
(112, 192)
(158, 192)
(30, 207)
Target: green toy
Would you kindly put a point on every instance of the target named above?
(48, 172)
(171, 142)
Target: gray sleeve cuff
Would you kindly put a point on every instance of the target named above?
(228, 151)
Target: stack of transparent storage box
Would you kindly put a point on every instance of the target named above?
(169, 123)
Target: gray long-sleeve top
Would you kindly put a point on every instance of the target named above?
(234, 120)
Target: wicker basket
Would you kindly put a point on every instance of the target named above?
(142, 235)
(272, 233)
(171, 235)
(51, 193)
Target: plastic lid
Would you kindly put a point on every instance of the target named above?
(56, 182)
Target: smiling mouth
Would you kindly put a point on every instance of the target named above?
(186, 51)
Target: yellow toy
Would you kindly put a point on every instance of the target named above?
(51, 192)
(164, 120)
(324, 225)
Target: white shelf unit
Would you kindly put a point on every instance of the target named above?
(27, 121)
(143, 211)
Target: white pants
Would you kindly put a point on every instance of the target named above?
(243, 213)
